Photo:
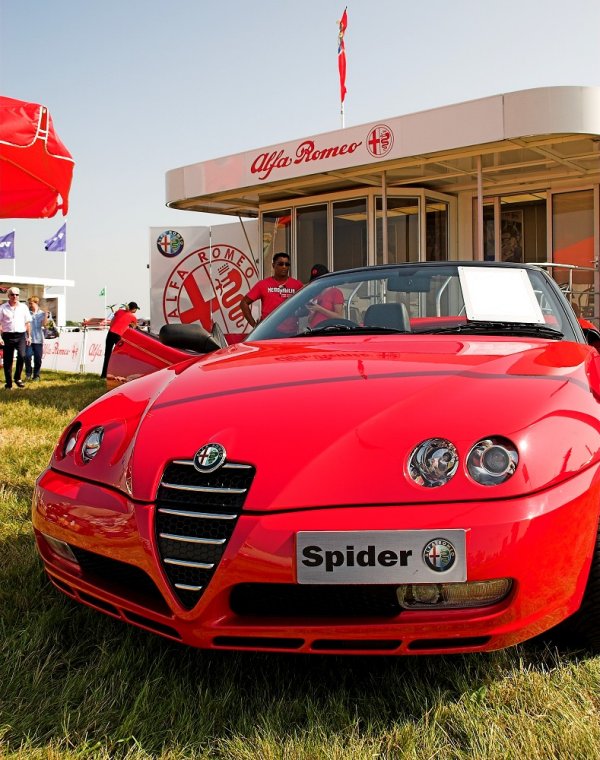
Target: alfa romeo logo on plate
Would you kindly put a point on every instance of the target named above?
(210, 457)
(439, 555)
(170, 243)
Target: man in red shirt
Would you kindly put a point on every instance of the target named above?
(122, 319)
(271, 291)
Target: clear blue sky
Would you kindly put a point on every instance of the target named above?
(137, 87)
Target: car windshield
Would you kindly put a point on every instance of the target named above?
(459, 297)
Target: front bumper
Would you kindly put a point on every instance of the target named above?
(544, 543)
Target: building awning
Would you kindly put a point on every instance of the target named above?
(6, 280)
(550, 135)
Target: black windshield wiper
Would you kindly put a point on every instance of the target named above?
(507, 328)
(327, 329)
(345, 328)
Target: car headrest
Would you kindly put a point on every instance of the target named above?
(394, 315)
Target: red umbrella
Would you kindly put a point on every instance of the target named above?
(35, 167)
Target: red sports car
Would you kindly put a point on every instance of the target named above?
(399, 459)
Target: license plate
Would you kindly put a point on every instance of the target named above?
(381, 556)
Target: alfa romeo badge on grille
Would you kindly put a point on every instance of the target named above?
(209, 457)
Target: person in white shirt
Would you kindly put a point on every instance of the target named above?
(15, 335)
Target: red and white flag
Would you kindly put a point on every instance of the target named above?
(343, 22)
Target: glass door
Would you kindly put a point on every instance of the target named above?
(403, 230)
(514, 228)
(420, 226)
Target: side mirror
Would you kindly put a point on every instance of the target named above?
(592, 337)
(189, 338)
(593, 373)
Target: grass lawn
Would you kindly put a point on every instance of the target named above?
(77, 684)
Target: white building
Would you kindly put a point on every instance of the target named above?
(509, 177)
(52, 293)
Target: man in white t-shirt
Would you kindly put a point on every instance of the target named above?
(15, 335)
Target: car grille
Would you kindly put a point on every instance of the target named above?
(195, 517)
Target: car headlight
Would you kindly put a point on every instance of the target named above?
(433, 462)
(492, 461)
(92, 443)
(70, 439)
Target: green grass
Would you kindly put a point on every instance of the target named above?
(77, 684)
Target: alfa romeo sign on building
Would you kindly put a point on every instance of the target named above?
(199, 276)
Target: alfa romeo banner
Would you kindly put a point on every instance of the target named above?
(200, 274)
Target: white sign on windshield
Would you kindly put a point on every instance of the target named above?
(499, 295)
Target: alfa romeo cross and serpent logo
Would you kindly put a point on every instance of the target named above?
(207, 286)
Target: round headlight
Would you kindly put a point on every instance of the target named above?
(70, 440)
(433, 462)
(492, 461)
(92, 443)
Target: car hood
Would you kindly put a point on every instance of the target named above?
(333, 421)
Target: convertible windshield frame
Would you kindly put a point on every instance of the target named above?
(425, 298)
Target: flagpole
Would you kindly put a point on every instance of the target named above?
(342, 25)
(210, 271)
(59, 243)
(65, 285)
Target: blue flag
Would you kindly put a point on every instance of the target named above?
(59, 241)
(7, 246)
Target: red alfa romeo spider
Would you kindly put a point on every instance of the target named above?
(400, 459)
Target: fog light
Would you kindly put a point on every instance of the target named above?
(427, 596)
(61, 548)
(426, 593)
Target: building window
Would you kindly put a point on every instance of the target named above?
(277, 236)
(311, 239)
(350, 234)
(514, 228)
(402, 230)
(436, 226)
(573, 244)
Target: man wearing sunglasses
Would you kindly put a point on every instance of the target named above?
(271, 291)
(15, 335)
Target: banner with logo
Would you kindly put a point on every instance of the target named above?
(75, 351)
(64, 352)
(198, 275)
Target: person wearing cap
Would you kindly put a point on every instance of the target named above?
(15, 335)
(329, 304)
(122, 319)
(272, 291)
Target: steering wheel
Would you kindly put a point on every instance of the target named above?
(335, 322)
